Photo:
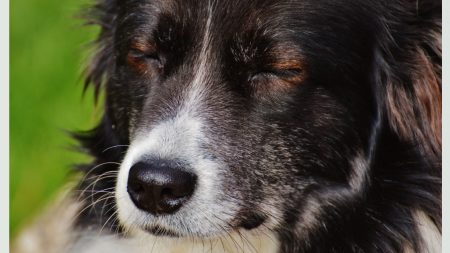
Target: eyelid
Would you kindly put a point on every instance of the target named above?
(140, 48)
(285, 72)
(282, 75)
(289, 68)
(288, 64)
(138, 54)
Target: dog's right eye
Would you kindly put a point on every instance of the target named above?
(138, 54)
(144, 60)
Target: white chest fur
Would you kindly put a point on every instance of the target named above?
(243, 243)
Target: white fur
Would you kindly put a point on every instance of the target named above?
(178, 138)
(431, 236)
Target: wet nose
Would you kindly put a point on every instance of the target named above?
(160, 187)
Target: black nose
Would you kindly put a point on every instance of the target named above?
(160, 186)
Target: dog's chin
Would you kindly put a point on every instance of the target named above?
(161, 231)
(250, 223)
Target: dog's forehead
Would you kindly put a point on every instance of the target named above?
(227, 14)
(235, 8)
(238, 10)
(312, 22)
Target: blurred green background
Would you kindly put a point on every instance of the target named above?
(49, 47)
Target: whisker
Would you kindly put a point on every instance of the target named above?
(90, 205)
(115, 146)
(106, 222)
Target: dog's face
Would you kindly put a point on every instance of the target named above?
(237, 111)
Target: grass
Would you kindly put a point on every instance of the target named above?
(48, 45)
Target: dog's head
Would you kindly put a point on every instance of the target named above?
(248, 114)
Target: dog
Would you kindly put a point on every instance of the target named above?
(258, 126)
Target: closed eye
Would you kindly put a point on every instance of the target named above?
(144, 61)
(282, 73)
(142, 55)
(292, 75)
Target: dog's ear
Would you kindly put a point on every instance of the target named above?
(414, 105)
(409, 65)
(103, 14)
(99, 141)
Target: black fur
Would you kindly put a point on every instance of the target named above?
(368, 85)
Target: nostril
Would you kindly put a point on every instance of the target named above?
(168, 200)
(166, 193)
(171, 195)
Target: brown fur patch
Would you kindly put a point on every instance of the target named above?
(136, 58)
(289, 64)
(415, 112)
(293, 68)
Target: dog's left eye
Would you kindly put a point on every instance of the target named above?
(284, 70)
(271, 78)
(292, 75)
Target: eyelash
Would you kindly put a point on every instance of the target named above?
(285, 74)
(138, 54)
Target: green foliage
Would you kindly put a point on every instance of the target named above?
(48, 45)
